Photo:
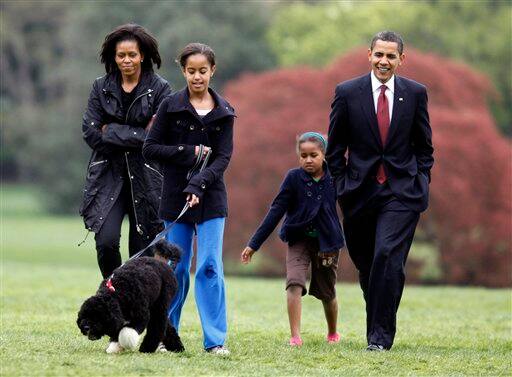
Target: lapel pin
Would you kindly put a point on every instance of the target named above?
(400, 99)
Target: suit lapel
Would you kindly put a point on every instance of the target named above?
(369, 107)
(399, 101)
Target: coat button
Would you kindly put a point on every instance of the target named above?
(178, 121)
(111, 198)
(180, 148)
(310, 183)
(135, 132)
(149, 95)
(217, 128)
(203, 186)
(309, 193)
(321, 187)
(319, 197)
(136, 201)
(192, 128)
(101, 218)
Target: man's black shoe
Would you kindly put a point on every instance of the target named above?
(375, 347)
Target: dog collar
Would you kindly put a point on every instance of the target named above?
(109, 285)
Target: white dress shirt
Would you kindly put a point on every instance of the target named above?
(390, 92)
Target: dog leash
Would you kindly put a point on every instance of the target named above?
(191, 172)
(168, 228)
(163, 233)
(158, 237)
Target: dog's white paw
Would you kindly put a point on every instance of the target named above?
(128, 338)
(161, 348)
(114, 347)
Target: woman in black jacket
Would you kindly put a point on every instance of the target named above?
(192, 117)
(119, 114)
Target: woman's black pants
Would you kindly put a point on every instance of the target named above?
(109, 236)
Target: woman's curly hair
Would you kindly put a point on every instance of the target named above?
(148, 46)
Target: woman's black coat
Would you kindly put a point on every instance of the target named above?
(172, 140)
(117, 152)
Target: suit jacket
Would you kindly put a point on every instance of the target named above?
(355, 150)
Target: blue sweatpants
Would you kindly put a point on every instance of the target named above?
(209, 283)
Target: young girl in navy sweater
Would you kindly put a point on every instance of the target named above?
(311, 229)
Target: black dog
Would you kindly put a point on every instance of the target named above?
(137, 295)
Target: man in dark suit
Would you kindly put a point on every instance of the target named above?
(380, 154)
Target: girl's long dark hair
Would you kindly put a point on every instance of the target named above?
(148, 46)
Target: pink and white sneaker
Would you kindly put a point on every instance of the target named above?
(333, 338)
(295, 341)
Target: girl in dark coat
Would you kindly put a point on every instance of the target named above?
(312, 230)
(192, 117)
(119, 113)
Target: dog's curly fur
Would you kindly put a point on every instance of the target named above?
(144, 288)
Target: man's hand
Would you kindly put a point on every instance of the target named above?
(247, 254)
(104, 128)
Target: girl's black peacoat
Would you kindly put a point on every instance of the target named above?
(178, 129)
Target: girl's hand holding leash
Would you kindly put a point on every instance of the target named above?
(192, 200)
(205, 151)
(247, 255)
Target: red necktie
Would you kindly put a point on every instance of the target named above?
(383, 121)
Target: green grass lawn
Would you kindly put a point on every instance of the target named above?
(45, 277)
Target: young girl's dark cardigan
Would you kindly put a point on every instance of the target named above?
(305, 203)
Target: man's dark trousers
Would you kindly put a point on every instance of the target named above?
(378, 239)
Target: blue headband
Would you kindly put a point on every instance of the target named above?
(314, 135)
